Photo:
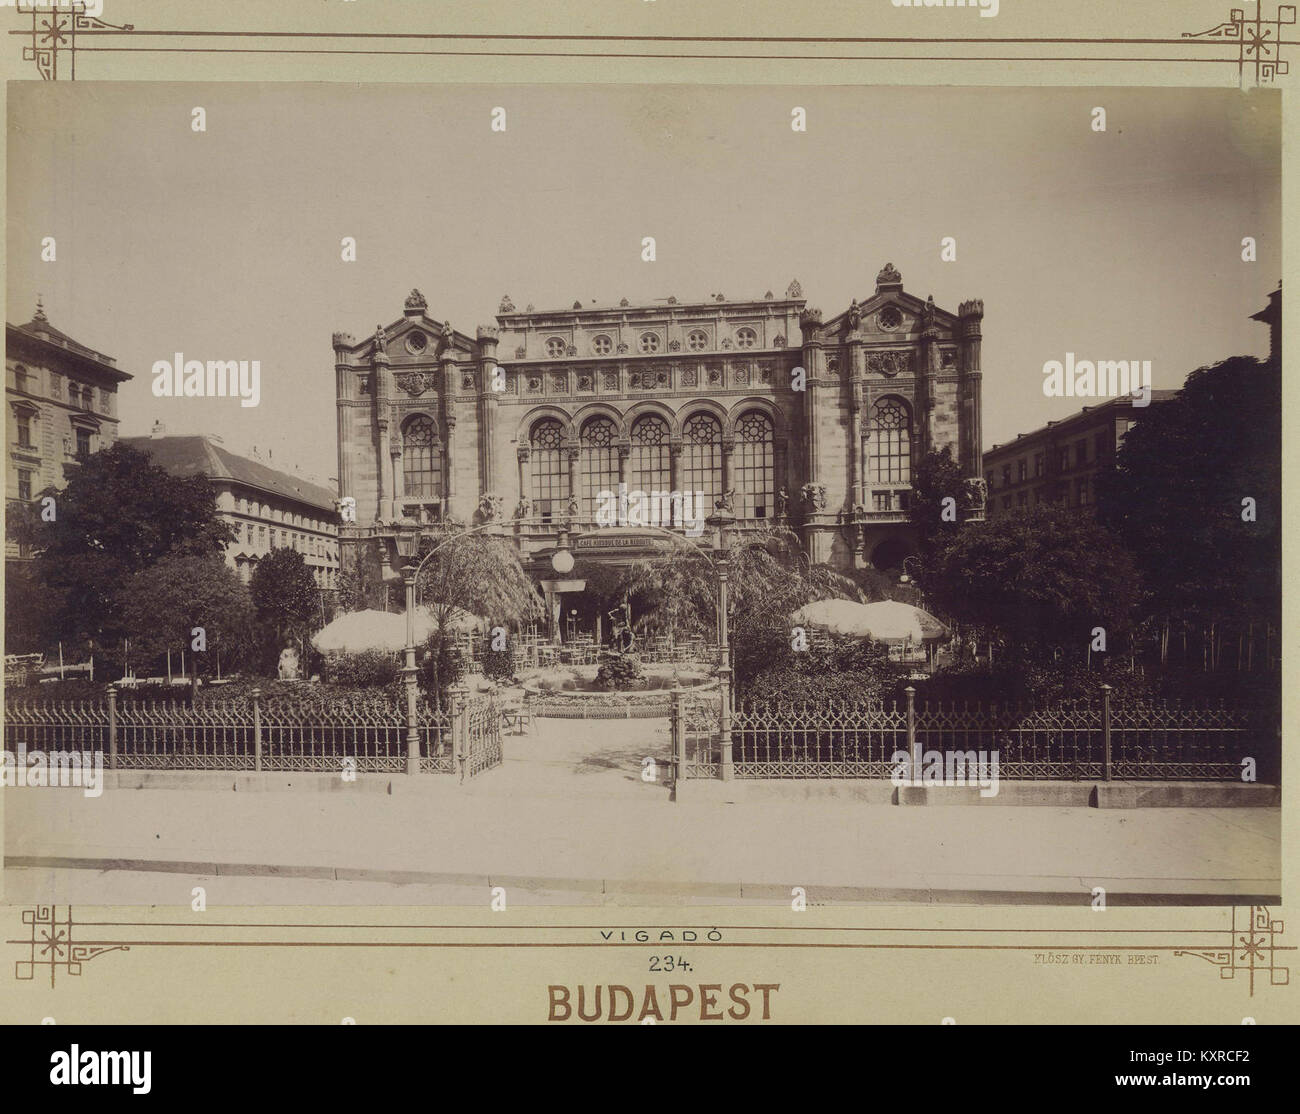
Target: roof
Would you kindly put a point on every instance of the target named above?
(1080, 417)
(40, 329)
(195, 455)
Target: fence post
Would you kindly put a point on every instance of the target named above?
(679, 735)
(912, 750)
(1105, 732)
(112, 727)
(257, 729)
(456, 698)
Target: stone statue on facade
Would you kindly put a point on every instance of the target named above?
(782, 503)
(977, 493)
(855, 314)
(489, 507)
(524, 508)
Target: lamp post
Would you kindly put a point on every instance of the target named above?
(408, 543)
(720, 520)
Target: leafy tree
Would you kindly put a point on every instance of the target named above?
(286, 600)
(120, 514)
(163, 604)
(31, 614)
(1176, 497)
(477, 575)
(1043, 581)
(361, 579)
(938, 478)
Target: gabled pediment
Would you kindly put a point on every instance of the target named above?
(908, 311)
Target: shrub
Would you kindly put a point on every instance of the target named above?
(620, 671)
(441, 666)
(367, 669)
(498, 665)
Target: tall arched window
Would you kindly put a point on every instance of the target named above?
(651, 469)
(702, 458)
(421, 459)
(550, 476)
(755, 485)
(889, 449)
(599, 463)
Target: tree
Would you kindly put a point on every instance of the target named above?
(1176, 498)
(1044, 581)
(286, 600)
(473, 574)
(186, 601)
(119, 514)
(936, 521)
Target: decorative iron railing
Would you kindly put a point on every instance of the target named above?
(312, 733)
(1078, 741)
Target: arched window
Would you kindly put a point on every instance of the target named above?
(550, 476)
(421, 459)
(702, 458)
(754, 472)
(889, 443)
(599, 463)
(651, 468)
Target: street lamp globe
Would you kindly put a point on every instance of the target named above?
(562, 561)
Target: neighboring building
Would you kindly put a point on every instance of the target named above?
(700, 397)
(1271, 315)
(1060, 462)
(62, 406)
(270, 509)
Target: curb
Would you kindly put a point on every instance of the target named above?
(1197, 894)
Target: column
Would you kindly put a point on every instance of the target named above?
(487, 345)
(450, 386)
(675, 477)
(971, 315)
(382, 387)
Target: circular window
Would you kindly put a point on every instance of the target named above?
(601, 345)
(697, 341)
(416, 342)
(555, 348)
(649, 342)
(746, 338)
(890, 318)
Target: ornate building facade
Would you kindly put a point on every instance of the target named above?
(807, 421)
(62, 406)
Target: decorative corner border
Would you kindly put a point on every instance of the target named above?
(1252, 945)
(52, 945)
(57, 25)
(1252, 949)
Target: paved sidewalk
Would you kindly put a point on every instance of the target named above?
(568, 819)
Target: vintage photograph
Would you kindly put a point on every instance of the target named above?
(642, 495)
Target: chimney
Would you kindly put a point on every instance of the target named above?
(159, 430)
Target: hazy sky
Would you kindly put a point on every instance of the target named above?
(226, 244)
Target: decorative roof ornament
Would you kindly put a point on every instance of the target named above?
(506, 306)
(577, 305)
(889, 276)
(768, 296)
(794, 290)
(415, 300)
(623, 302)
(672, 299)
(528, 308)
(40, 310)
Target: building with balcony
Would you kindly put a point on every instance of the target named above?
(61, 401)
(796, 419)
(269, 508)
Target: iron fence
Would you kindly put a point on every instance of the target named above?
(1070, 741)
(314, 733)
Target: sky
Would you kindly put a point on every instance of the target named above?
(225, 244)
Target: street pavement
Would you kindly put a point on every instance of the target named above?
(568, 819)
